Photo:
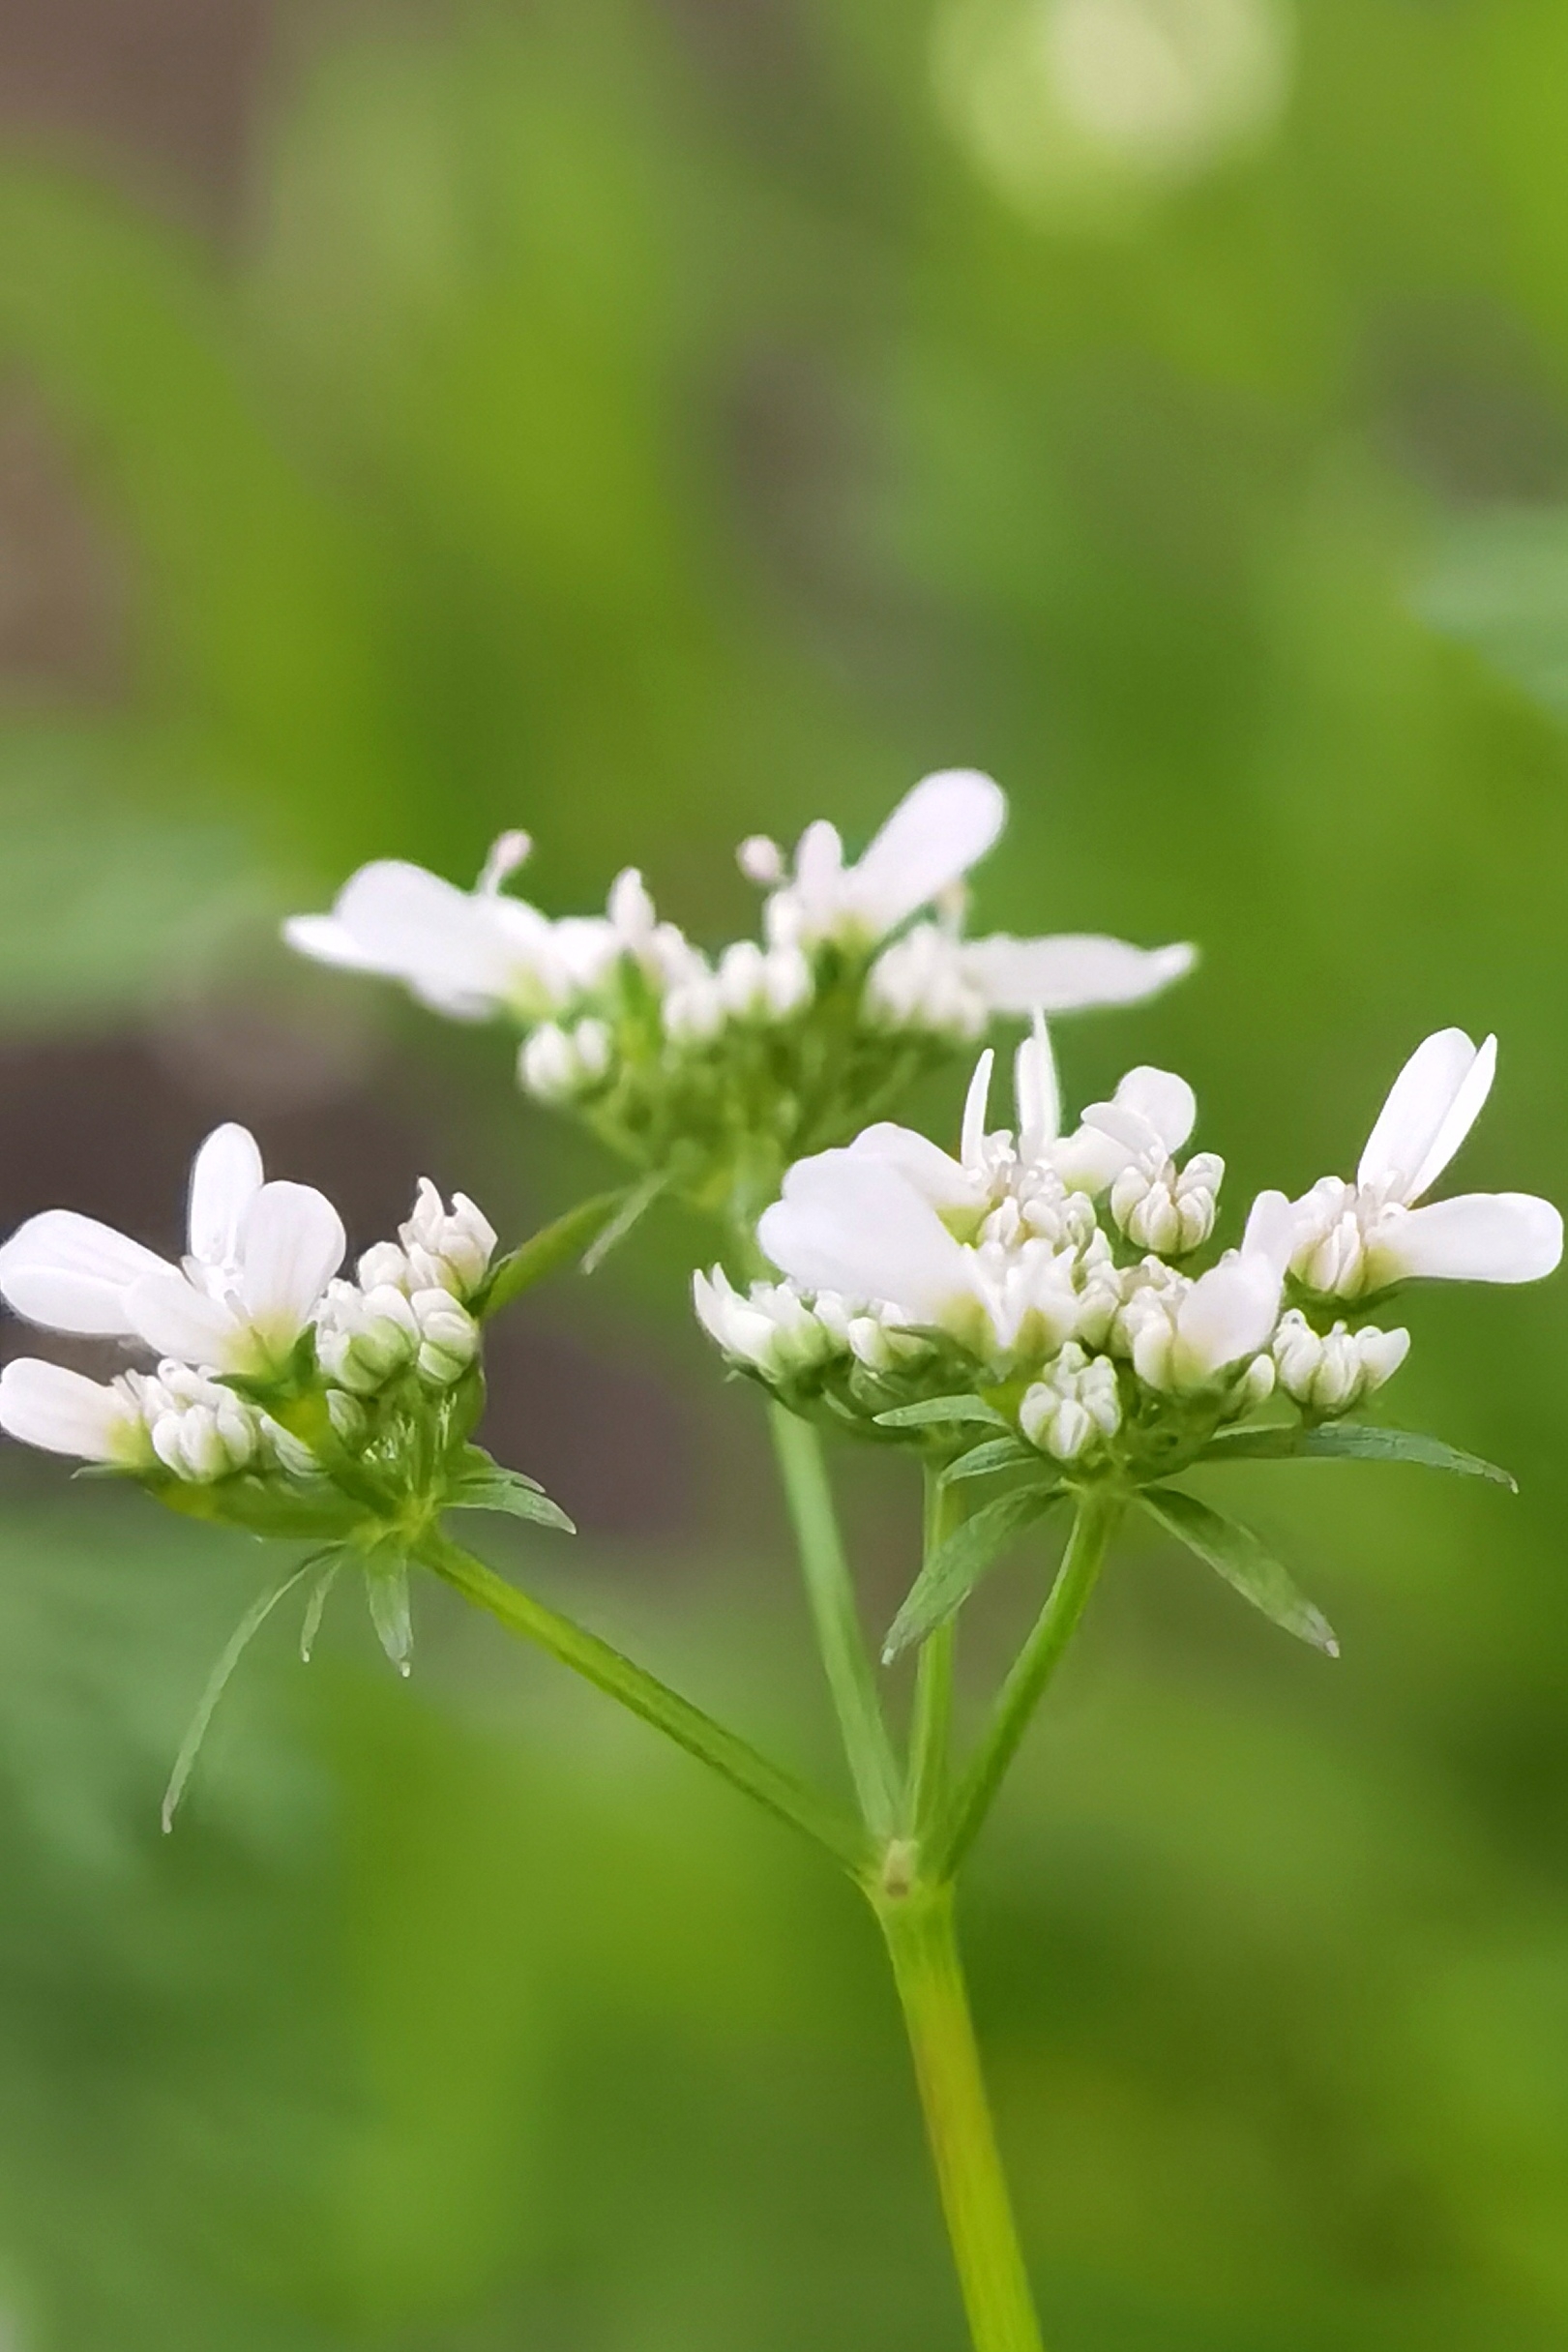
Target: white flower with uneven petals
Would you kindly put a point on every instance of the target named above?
(447, 1249)
(936, 833)
(1350, 1240)
(260, 1257)
(63, 1411)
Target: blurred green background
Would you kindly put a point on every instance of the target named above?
(652, 421)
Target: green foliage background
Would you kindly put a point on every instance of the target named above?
(642, 423)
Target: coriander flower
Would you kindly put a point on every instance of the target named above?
(260, 1256)
(1354, 1240)
(713, 1071)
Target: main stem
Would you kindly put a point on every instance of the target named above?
(929, 1975)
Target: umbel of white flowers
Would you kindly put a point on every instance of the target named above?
(256, 1301)
(716, 1070)
(1050, 1274)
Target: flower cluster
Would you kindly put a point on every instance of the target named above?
(287, 1399)
(1048, 1274)
(716, 1071)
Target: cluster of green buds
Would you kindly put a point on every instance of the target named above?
(714, 1071)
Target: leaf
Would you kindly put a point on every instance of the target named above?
(233, 1650)
(992, 1454)
(483, 1485)
(953, 1570)
(386, 1588)
(561, 1243)
(1349, 1441)
(936, 1408)
(1235, 1553)
(314, 1607)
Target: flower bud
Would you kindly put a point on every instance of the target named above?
(1327, 1373)
(762, 861)
(556, 1064)
(447, 1249)
(383, 1266)
(1074, 1406)
(200, 1431)
(365, 1338)
(1165, 1211)
(448, 1337)
(921, 982)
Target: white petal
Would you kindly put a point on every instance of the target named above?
(818, 860)
(854, 1225)
(1036, 1093)
(1273, 1226)
(414, 926)
(323, 939)
(1070, 972)
(936, 1176)
(1418, 1131)
(176, 1318)
(1168, 1102)
(972, 1134)
(224, 1182)
(291, 1244)
(1481, 1237)
(1229, 1313)
(72, 1273)
(936, 833)
(65, 1412)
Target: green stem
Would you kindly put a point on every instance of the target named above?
(725, 1751)
(932, 1721)
(927, 1968)
(1098, 1512)
(840, 1637)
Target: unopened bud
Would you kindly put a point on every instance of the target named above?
(449, 1249)
(1074, 1406)
(365, 1338)
(1329, 1371)
(448, 1337)
(204, 1432)
(1165, 1211)
(762, 861)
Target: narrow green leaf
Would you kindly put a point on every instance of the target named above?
(990, 1455)
(386, 1588)
(953, 1570)
(316, 1606)
(937, 1409)
(556, 1245)
(1349, 1441)
(233, 1650)
(1234, 1552)
(495, 1489)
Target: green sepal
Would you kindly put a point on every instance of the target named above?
(934, 1409)
(594, 1225)
(482, 1484)
(1236, 1553)
(992, 1454)
(1349, 1441)
(953, 1570)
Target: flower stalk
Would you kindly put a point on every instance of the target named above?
(923, 1948)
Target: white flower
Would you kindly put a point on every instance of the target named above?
(989, 1247)
(1353, 1238)
(447, 1249)
(1330, 1373)
(936, 833)
(1074, 1405)
(466, 953)
(1183, 1335)
(63, 1411)
(260, 1259)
